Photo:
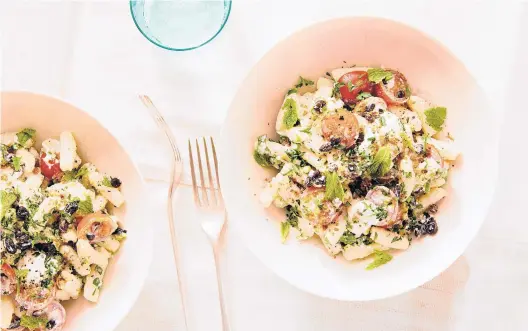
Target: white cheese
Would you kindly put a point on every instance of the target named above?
(68, 151)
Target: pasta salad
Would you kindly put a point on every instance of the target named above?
(57, 235)
(362, 162)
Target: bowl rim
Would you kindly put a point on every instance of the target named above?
(123, 309)
(445, 260)
(227, 12)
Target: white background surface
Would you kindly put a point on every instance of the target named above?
(91, 54)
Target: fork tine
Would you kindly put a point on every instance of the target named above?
(202, 179)
(216, 167)
(209, 174)
(193, 176)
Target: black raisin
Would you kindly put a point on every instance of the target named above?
(22, 213)
(401, 94)
(10, 246)
(370, 107)
(15, 322)
(334, 141)
(433, 209)
(71, 207)
(50, 325)
(119, 231)
(90, 236)
(23, 240)
(9, 157)
(47, 248)
(326, 147)
(116, 182)
(319, 105)
(11, 149)
(63, 225)
(431, 227)
(360, 138)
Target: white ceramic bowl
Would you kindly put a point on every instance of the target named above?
(128, 269)
(435, 74)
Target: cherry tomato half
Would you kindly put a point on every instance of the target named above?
(395, 91)
(354, 83)
(49, 168)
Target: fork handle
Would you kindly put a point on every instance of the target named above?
(217, 253)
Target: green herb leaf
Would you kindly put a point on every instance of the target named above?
(106, 182)
(6, 200)
(290, 116)
(285, 231)
(68, 176)
(21, 273)
(262, 160)
(24, 135)
(335, 90)
(435, 117)
(408, 91)
(81, 172)
(33, 322)
(407, 141)
(382, 162)
(395, 239)
(376, 75)
(363, 96)
(348, 238)
(16, 163)
(334, 189)
(350, 86)
(291, 91)
(292, 213)
(380, 258)
(303, 82)
(98, 269)
(86, 206)
(382, 121)
(427, 187)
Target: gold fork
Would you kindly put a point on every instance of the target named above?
(210, 203)
(175, 175)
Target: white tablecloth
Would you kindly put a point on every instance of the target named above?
(91, 54)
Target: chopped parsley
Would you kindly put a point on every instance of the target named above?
(6, 200)
(24, 135)
(86, 206)
(435, 117)
(33, 322)
(99, 269)
(285, 231)
(290, 115)
(363, 96)
(303, 82)
(106, 182)
(382, 162)
(395, 239)
(337, 87)
(81, 172)
(292, 214)
(334, 189)
(262, 160)
(350, 86)
(291, 91)
(380, 258)
(382, 121)
(407, 142)
(97, 284)
(376, 75)
(348, 238)
(17, 165)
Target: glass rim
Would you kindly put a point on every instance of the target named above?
(227, 12)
